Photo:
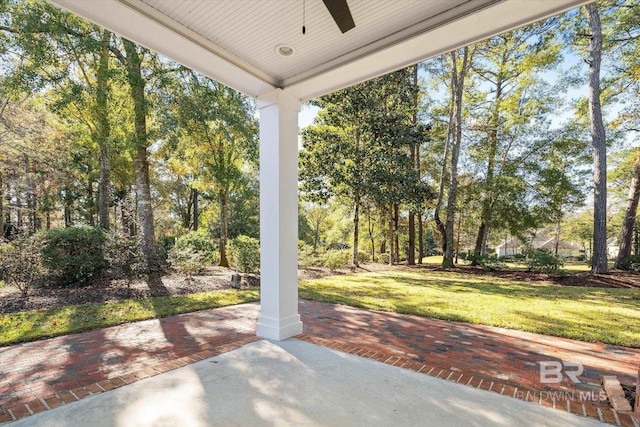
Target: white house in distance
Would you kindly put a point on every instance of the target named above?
(259, 48)
(515, 246)
(543, 240)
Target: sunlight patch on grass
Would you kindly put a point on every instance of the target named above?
(610, 316)
(28, 326)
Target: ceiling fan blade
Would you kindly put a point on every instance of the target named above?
(339, 10)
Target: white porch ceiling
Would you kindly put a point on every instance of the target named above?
(234, 41)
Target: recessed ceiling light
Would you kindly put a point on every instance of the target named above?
(285, 50)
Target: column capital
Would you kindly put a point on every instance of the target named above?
(280, 97)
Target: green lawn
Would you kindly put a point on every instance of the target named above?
(590, 314)
(28, 326)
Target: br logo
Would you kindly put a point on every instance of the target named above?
(552, 372)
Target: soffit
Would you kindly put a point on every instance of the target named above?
(234, 41)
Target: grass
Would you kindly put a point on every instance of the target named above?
(28, 326)
(609, 316)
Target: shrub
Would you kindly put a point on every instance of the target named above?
(245, 254)
(306, 256)
(489, 261)
(384, 258)
(21, 263)
(187, 261)
(507, 258)
(363, 257)
(634, 263)
(165, 244)
(542, 260)
(198, 242)
(72, 255)
(334, 259)
(124, 255)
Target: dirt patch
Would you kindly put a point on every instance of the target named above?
(615, 279)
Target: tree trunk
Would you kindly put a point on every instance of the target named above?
(458, 236)
(487, 202)
(411, 252)
(196, 216)
(67, 214)
(598, 139)
(628, 224)
(356, 208)
(557, 245)
(89, 213)
(356, 227)
(143, 187)
(420, 239)
(447, 260)
(396, 221)
(224, 226)
(371, 238)
(103, 131)
(391, 239)
(443, 171)
(316, 236)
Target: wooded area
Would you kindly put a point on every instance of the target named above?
(505, 138)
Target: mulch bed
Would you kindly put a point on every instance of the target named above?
(105, 290)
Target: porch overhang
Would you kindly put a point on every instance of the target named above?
(236, 43)
(381, 52)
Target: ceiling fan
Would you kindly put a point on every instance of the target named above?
(339, 10)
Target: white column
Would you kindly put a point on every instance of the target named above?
(279, 318)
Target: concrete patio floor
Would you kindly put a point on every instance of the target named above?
(350, 366)
(295, 383)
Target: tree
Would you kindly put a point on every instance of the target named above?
(457, 87)
(211, 135)
(628, 224)
(514, 104)
(359, 150)
(598, 141)
(71, 58)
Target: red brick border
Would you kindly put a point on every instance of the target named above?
(471, 379)
(43, 403)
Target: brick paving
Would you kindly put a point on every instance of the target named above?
(45, 374)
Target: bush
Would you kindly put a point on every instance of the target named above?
(384, 258)
(197, 242)
(72, 255)
(542, 260)
(507, 258)
(187, 261)
(634, 263)
(245, 254)
(334, 259)
(191, 253)
(164, 245)
(21, 263)
(306, 256)
(363, 257)
(124, 256)
(489, 261)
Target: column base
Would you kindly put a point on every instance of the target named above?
(279, 330)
